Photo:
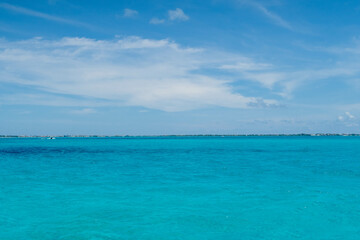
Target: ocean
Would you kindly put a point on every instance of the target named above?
(184, 188)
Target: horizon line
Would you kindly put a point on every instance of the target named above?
(174, 135)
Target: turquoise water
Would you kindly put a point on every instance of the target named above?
(180, 188)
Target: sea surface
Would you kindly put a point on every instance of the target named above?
(162, 188)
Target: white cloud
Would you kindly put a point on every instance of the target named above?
(130, 13)
(132, 71)
(157, 21)
(172, 78)
(177, 14)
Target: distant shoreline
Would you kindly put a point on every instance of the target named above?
(185, 135)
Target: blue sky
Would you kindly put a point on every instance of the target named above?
(179, 67)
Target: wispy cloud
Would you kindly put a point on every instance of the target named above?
(132, 71)
(287, 81)
(172, 78)
(151, 73)
(84, 111)
(348, 120)
(29, 12)
(177, 14)
(157, 21)
(173, 15)
(130, 13)
(273, 17)
(246, 65)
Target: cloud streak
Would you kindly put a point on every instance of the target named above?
(32, 13)
(273, 17)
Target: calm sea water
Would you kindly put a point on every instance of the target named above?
(180, 188)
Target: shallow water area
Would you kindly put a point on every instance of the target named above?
(180, 188)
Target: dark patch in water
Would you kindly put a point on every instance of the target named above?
(130, 151)
(56, 150)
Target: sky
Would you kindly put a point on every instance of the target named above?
(179, 67)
